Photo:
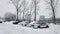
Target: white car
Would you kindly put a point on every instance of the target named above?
(23, 23)
(40, 25)
(36, 25)
(31, 24)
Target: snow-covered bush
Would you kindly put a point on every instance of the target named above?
(9, 16)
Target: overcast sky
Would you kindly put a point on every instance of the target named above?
(5, 6)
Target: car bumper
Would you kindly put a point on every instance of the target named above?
(44, 26)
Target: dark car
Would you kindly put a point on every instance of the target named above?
(16, 22)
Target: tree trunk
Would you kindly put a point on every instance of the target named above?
(24, 10)
(54, 17)
(23, 15)
(35, 11)
(53, 10)
(17, 14)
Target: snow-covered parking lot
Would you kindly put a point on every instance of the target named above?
(9, 28)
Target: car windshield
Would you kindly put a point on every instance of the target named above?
(38, 23)
(42, 24)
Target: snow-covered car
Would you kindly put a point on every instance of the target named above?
(23, 23)
(31, 24)
(43, 25)
(40, 25)
(36, 25)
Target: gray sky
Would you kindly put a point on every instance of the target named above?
(6, 7)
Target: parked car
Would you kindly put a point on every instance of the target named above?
(43, 25)
(16, 22)
(23, 23)
(40, 24)
(36, 25)
(31, 24)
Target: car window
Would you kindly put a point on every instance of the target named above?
(42, 23)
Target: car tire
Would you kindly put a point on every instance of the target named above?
(47, 26)
(23, 24)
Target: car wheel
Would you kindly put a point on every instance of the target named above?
(35, 27)
(23, 24)
(47, 26)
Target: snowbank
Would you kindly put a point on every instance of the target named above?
(8, 28)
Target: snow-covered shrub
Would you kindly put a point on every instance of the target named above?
(9, 16)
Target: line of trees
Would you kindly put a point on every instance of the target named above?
(35, 2)
(16, 4)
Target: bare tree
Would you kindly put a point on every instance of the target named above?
(35, 7)
(24, 8)
(28, 13)
(31, 9)
(16, 4)
(53, 6)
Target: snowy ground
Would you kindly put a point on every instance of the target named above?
(9, 28)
